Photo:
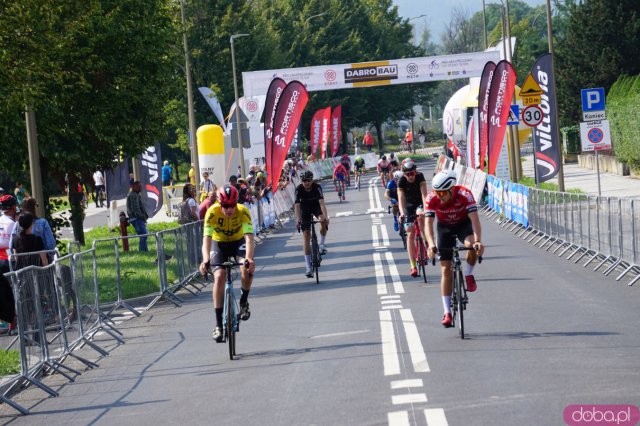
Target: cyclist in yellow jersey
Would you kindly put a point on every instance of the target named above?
(228, 232)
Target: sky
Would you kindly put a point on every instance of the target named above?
(438, 12)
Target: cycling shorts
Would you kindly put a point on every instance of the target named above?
(221, 251)
(384, 169)
(394, 163)
(340, 176)
(307, 215)
(448, 233)
(411, 214)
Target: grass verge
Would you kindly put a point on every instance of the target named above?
(547, 186)
(9, 362)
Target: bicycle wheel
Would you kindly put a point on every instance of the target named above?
(460, 302)
(423, 259)
(315, 256)
(230, 330)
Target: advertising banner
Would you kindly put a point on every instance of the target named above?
(274, 92)
(483, 108)
(336, 122)
(546, 145)
(503, 85)
(366, 74)
(324, 132)
(150, 167)
(117, 181)
(288, 112)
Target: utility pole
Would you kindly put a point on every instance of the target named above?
(193, 145)
(34, 161)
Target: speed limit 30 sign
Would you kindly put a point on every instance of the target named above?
(532, 115)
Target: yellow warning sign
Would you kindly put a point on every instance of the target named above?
(530, 87)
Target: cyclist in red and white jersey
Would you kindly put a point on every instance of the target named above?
(458, 219)
(384, 167)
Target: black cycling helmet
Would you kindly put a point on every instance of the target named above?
(307, 174)
(409, 166)
(384, 158)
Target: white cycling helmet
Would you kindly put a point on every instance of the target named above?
(397, 174)
(444, 181)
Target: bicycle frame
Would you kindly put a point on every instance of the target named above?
(230, 312)
(316, 257)
(420, 248)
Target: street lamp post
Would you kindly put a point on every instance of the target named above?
(235, 92)
(190, 110)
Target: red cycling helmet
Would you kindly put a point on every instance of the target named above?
(228, 195)
(345, 156)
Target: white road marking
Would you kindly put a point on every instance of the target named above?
(371, 200)
(344, 333)
(410, 383)
(435, 417)
(374, 232)
(385, 235)
(386, 302)
(389, 348)
(392, 307)
(411, 398)
(343, 214)
(381, 284)
(418, 357)
(395, 276)
(398, 418)
(393, 296)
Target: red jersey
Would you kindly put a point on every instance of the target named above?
(339, 169)
(453, 211)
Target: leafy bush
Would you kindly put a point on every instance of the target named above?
(623, 104)
(573, 139)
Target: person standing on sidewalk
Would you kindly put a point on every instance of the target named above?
(137, 214)
(368, 141)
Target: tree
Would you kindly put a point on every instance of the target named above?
(602, 42)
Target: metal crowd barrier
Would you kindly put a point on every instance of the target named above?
(600, 230)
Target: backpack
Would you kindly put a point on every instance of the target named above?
(184, 212)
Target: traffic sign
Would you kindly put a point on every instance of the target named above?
(595, 135)
(593, 99)
(530, 87)
(532, 115)
(514, 115)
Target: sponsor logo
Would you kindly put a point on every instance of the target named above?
(587, 414)
(149, 161)
(412, 68)
(544, 129)
(433, 65)
(371, 73)
(293, 102)
(273, 113)
(330, 75)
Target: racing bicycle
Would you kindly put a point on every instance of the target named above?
(230, 313)
(459, 299)
(316, 255)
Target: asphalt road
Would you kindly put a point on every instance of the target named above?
(365, 346)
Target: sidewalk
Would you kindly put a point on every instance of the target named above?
(576, 177)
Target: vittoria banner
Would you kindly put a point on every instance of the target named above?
(273, 96)
(288, 112)
(546, 145)
(364, 74)
(150, 167)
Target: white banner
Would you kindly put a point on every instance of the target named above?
(365, 74)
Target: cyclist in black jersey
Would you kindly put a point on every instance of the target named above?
(310, 202)
(412, 190)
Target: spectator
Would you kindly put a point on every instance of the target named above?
(206, 185)
(98, 181)
(192, 175)
(368, 141)
(208, 202)
(137, 214)
(188, 198)
(167, 171)
(20, 193)
(27, 242)
(41, 227)
(243, 191)
(7, 222)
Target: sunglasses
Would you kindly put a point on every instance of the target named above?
(410, 174)
(227, 206)
(442, 193)
(307, 180)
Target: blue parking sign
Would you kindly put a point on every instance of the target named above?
(593, 99)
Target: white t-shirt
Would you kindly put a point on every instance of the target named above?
(207, 185)
(6, 228)
(98, 179)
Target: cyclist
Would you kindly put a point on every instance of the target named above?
(391, 194)
(310, 202)
(384, 168)
(408, 138)
(228, 232)
(346, 162)
(393, 160)
(358, 169)
(458, 218)
(339, 179)
(412, 189)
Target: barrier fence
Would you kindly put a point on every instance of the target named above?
(597, 230)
